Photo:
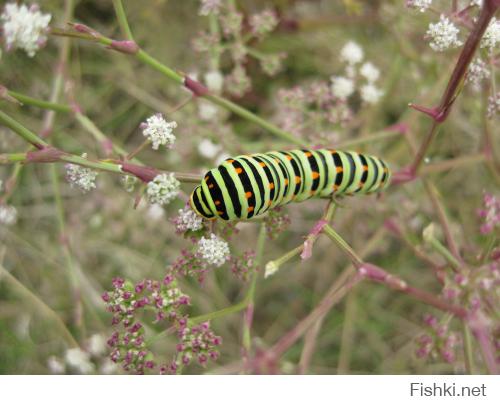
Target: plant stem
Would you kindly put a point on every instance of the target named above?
(38, 142)
(46, 105)
(340, 242)
(468, 352)
(39, 305)
(456, 80)
(122, 19)
(250, 297)
(25, 133)
(147, 59)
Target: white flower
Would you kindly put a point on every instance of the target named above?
(79, 360)
(214, 250)
(159, 131)
(55, 365)
(108, 367)
(371, 94)
(97, 345)
(351, 53)
(81, 177)
(214, 81)
(370, 72)
(208, 149)
(491, 36)
(188, 220)
(8, 215)
(163, 189)
(421, 5)
(342, 87)
(493, 105)
(443, 35)
(210, 7)
(155, 212)
(206, 111)
(270, 269)
(478, 71)
(24, 27)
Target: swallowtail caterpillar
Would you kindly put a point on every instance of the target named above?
(248, 186)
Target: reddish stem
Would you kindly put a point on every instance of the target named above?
(440, 113)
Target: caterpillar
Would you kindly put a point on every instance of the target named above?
(249, 185)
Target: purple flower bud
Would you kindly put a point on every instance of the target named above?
(168, 279)
(202, 359)
(430, 320)
(186, 360)
(118, 282)
(139, 287)
(135, 327)
(105, 297)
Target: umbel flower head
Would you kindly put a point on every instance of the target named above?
(163, 189)
(159, 131)
(81, 177)
(420, 5)
(187, 220)
(213, 250)
(491, 37)
(8, 214)
(443, 35)
(24, 27)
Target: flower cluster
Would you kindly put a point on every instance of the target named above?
(243, 266)
(234, 38)
(421, 5)
(490, 213)
(159, 131)
(276, 222)
(493, 105)
(443, 35)
(8, 214)
(187, 220)
(196, 343)
(163, 189)
(210, 7)
(81, 177)
(438, 341)
(88, 359)
(491, 37)
(128, 344)
(318, 110)
(24, 27)
(213, 250)
(189, 264)
(478, 71)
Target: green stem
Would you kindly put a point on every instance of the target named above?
(25, 133)
(39, 305)
(147, 59)
(468, 352)
(9, 158)
(340, 242)
(122, 19)
(35, 140)
(46, 105)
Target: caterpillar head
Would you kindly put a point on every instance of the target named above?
(198, 204)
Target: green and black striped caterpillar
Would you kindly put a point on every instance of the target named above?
(249, 185)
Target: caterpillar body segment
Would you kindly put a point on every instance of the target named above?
(248, 186)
